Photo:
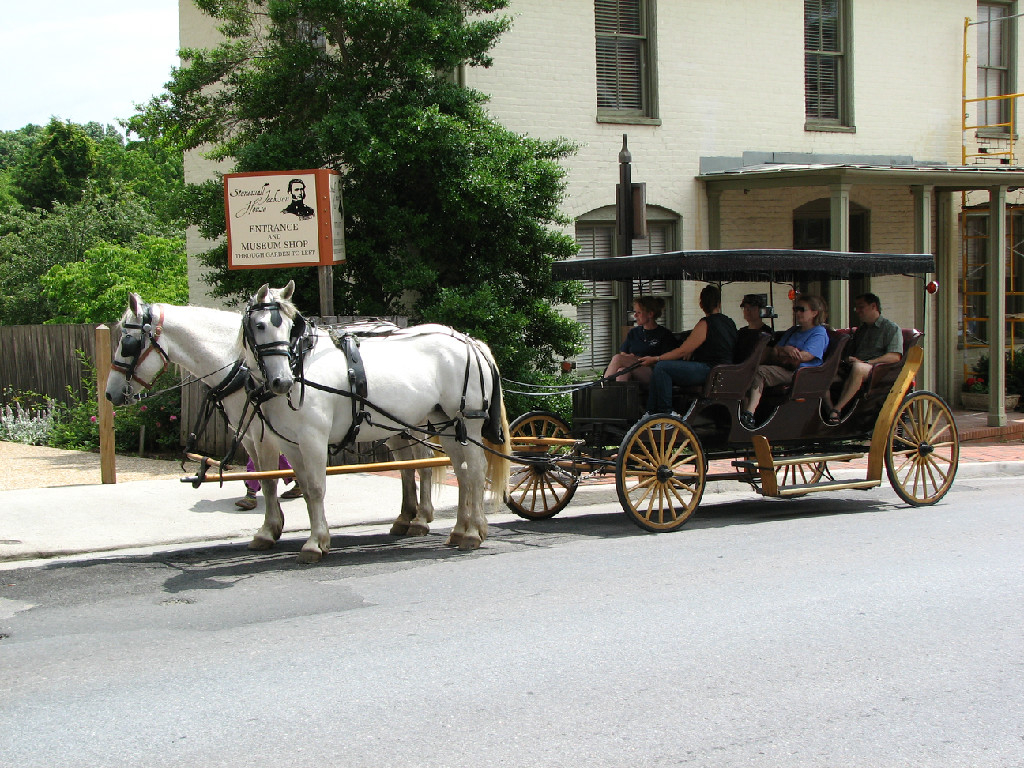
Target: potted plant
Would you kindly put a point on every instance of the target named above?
(974, 394)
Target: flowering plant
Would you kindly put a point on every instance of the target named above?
(975, 384)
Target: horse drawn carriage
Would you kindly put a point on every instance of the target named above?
(663, 462)
(287, 388)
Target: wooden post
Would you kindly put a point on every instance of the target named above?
(108, 467)
(325, 275)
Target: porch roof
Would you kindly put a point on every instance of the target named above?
(948, 177)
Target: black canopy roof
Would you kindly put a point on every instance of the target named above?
(745, 265)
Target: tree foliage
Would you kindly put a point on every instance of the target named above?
(56, 168)
(134, 189)
(95, 289)
(449, 216)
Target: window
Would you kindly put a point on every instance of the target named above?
(995, 30)
(600, 313)
(625, 60)
(827, 92)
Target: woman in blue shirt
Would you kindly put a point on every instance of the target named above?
(802, 346)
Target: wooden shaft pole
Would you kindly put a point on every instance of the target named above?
(342, 469)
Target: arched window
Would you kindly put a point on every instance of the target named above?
(602, 313)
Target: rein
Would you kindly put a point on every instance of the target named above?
(539, 390)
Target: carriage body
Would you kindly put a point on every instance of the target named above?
(662, 463)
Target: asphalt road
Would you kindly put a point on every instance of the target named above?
(839, 630)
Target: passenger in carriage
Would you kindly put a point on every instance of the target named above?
(876, 340)
(644, 339)
(802, 346)
(748, 336)
(709, 343)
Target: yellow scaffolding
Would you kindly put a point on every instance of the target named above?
(992, 141)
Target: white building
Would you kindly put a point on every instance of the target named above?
(823, 124)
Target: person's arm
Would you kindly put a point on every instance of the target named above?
(695, 339)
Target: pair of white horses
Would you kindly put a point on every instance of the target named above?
(417, 376)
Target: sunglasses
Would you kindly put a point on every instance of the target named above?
(799, 309)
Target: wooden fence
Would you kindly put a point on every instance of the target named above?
(43, 359)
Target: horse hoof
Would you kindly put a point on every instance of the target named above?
(454, 540)
(469, 542)
(260, 544)
(417, 529)
(399, 529)
(310, 556)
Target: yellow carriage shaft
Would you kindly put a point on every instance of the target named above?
(341, 469)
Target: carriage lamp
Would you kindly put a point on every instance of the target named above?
(932, 286)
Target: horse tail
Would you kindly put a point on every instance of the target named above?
(498, 466)
(496, 438)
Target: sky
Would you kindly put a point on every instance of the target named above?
(83, 60)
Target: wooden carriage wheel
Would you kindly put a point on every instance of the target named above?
(923, 449)
(660, 473)
(800, 474)
(540, 489)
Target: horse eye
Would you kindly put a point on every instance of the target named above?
(261, 326)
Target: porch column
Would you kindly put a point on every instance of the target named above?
(839, 220)
(947, 262)
(995, 272)
(714, 219)
(924, 311)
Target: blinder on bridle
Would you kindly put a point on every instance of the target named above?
(300, 340)
(134, 350)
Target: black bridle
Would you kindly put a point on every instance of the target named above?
(301, 339)
(134, 349)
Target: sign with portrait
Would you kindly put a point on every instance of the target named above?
(284, 219)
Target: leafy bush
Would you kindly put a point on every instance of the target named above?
(1014, 372)
(76, 425)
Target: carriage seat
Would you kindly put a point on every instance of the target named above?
(813, 382)
(729, 381)
(882, 376)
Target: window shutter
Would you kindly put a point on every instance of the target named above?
(823, 58)
(620, 54)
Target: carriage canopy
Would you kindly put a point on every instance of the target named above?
(744, 265)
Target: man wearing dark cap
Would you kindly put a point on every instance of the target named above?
(747, 338)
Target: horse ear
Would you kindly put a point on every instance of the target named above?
(288, 290)
(135, 303)
(261, 294)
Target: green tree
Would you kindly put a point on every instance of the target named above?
(56, 167)
(14, 144)
(449, 216)
(95, 289)
(32, 241)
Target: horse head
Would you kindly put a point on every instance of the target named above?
(271, 330)
(134, 364)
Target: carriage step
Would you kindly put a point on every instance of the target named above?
(832, 485)
(750, 464)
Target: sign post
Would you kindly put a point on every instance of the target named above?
(286, 219)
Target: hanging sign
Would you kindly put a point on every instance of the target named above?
(284, 219)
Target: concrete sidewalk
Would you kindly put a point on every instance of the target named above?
(44, 523)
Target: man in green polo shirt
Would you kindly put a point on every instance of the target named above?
(877, 340)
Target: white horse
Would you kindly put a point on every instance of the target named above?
(424, 374)
(207, 343)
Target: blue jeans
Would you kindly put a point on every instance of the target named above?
(685, 373)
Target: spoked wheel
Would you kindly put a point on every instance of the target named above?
(540, 489)
(800, 474)
(923, 449)
(660, 473)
